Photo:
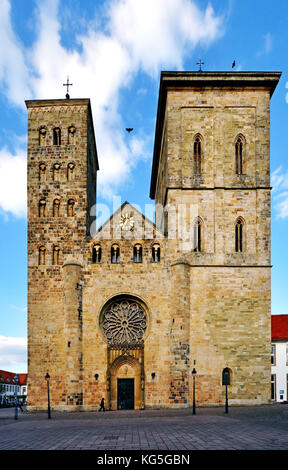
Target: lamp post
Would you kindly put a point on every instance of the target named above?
(16, 379)
(194, 372)
(47, 377)
(226, 382)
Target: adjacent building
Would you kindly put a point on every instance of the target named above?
(279, 358)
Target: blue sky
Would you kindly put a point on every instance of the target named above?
(113, 52)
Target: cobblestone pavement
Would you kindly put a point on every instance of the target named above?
(244, 428)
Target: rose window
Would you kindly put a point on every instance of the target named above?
(124, 322)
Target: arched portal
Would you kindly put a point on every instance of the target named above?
(123, 322)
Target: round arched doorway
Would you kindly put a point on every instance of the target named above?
(123, 322)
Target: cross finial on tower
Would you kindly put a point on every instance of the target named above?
(67, 85)
(200, 63)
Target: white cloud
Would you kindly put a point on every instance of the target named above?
(13, 182)
(279, 180)
(13, 354)
(137, 36)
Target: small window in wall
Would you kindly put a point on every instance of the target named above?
(239, 152)
(137, 253)
(96, 254)
(42, 136)
(56, 255)
(70, 171)
(273, 387)
(42, 255)
(115, 254)
(197, 235)
(239, 229)
(71, 135)
(42, 172)
(57, 136)
(156, 253)
(42, 208)
(273, 355)
(56, 171)
(197, 154)
(56, 208)
(71, 208)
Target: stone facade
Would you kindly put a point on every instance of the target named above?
(146, 302)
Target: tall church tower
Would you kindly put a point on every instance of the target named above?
(62, 168)
(211, 156)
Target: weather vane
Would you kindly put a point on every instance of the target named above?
(200, 63)
(67, 85)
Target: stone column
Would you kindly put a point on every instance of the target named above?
(179, 335)
(72, 334)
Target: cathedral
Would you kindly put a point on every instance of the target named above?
(137, 311)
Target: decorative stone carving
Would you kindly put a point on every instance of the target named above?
(124, 323)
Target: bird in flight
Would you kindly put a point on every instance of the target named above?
(129, 129)
(234, 63)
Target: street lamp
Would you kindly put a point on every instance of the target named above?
(226, 382)
(47, 377)
(194, 372)
(16, 379)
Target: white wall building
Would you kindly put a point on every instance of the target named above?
(279, 358)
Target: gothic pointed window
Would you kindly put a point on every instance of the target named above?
(71, 208)
(56, 171)
(56, 255)
(156, 253)
(197, 154)
(42, 208)
(56, 208)
(115, 254)
(42, 255)
(96, 254)
(137, 253)
(71, 135)
(239, 153)
(42, 172)
(239, 229)
(57, 136)
(70, 171)
(197, 235)
(42, 136)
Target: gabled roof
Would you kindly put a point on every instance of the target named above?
(8, 378)
(115, 218)
(279, 327)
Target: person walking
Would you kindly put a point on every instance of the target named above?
(102, 407)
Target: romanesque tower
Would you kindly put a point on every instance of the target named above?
(62, 167)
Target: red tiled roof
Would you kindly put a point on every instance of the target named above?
(9, 377)
(279, 327)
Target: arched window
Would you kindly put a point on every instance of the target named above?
(42, 136)
(71, 208)
(115, 254)
(42, 255)
(71, 135)
(239, 232)
(70, 171)
(197, 235)
(197, 154)
(56, 255)
(42, 172)
(156, 253)
(56, 208)
(42, 208)
(137, 253)
(57, 136)
(56, 171)
(96, 254)
(239, 154)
